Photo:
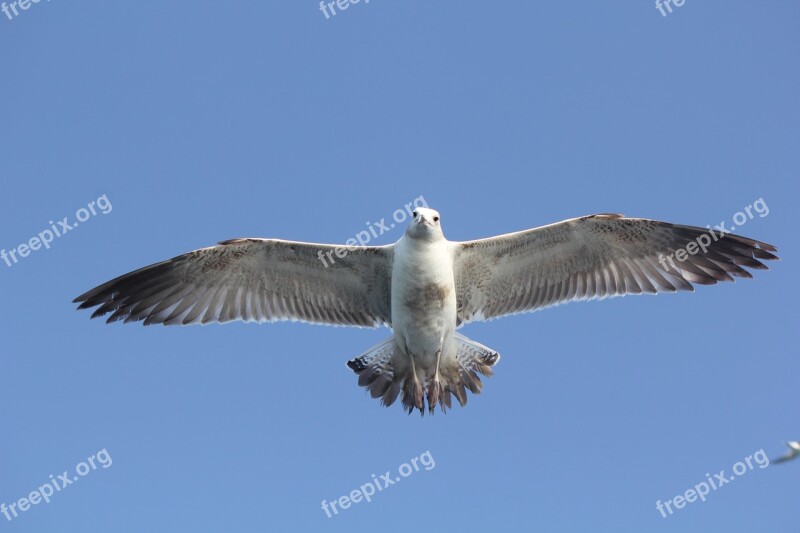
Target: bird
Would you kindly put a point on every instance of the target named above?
(425, 288)
(794, 451)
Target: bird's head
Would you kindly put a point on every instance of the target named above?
(425, 224)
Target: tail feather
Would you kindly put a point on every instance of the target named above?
(413, 397)
(391, 394)
(386, 372)
(380, 386)
(461, 394)
(446, 400)
(475, 356)
(375, 370)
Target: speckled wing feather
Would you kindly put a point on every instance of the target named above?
(260, 280)
(591, 257)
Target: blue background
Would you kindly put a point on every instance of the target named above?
(203, 121)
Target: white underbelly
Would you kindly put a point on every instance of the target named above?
(423, 302)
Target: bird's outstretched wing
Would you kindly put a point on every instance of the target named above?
(259, 280)
(784, 458)
(596, 256)
(794, 451)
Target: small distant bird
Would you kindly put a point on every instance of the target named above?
(794, 451)
(425, 287)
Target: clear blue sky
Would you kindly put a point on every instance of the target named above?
(203, 121)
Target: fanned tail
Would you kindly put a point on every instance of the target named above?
(386, 372)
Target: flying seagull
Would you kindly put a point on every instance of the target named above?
(794, 451)
(424, 287)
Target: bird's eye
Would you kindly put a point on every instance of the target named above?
(415, 214)
(436, 219)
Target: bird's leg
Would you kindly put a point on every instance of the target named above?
(435, 387)
(418, 388)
